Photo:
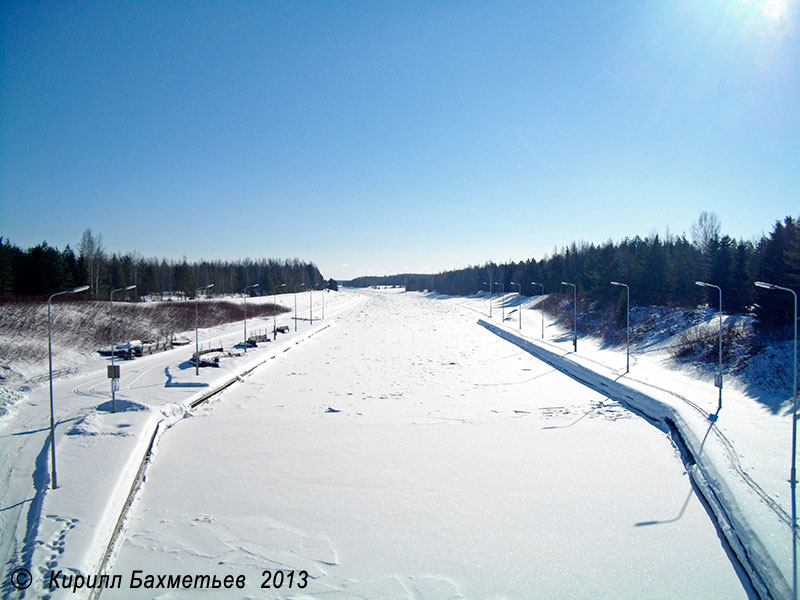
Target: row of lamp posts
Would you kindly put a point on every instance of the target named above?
(718, 378)
(491, 300)
(275, 301)
(113, 372)
(793, 472)
(718, 382)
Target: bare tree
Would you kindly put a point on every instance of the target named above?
(705, 230)
(93, 255)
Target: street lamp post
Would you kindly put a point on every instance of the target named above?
(323, 297)
(574, 314)
(299, 285)
(541, 304)
(275, 314)
(793, 475)
(502, 302)
(718, 382)
(519, 285)
(196, 333)
(83, 288)
(114, 380)
(244, 293)
(627, 324)
(489, 283)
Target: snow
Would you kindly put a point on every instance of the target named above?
(96, 471)
(403, 449)
(742, 458)
(481, 505)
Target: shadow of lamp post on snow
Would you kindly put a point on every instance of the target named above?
(691, 489)
(673, 519)
(82, 288)
(171, 383)
(793, 472)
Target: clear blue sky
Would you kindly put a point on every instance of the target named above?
(383, 137)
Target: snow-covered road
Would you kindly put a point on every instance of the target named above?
(407, 452)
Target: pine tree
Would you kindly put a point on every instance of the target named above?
(778, 262)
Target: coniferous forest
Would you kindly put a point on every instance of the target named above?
(660, 270)
(43, 270)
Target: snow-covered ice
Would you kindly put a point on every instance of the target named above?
(404, 450)
(453, 465)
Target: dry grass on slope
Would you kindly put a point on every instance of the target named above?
(85, 326)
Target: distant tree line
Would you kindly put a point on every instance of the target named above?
(659, 270)
(43, 270)
(390, 280)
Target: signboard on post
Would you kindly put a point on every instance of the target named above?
(113, 371)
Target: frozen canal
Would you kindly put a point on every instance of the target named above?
(407, 452)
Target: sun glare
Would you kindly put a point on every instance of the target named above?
(770, 20)
(767, 19)
(775, 11)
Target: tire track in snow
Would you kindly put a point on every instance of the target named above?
(763, 572)
(730, 452)
(733, 457)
